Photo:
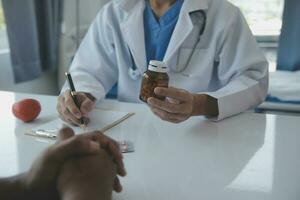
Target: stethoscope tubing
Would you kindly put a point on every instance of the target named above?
(134, 71)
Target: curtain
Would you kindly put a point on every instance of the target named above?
(289, 41)
(33, 28)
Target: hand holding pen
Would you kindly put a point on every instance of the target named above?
(73, 107)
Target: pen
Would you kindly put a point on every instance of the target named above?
(73, 94)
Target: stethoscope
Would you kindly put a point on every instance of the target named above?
(134, 72)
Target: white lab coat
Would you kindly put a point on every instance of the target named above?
(227, 62)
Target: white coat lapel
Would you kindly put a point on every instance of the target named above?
(183, 29)
(133, 31)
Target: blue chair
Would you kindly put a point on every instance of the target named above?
(288, 57)
(289, 41)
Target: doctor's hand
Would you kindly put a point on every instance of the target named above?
(180, 105)
(68, 110)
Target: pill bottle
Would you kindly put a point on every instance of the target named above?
(155, 76)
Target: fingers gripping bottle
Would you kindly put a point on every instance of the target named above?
(155, 76)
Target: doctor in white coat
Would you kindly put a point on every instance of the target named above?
(216, 68)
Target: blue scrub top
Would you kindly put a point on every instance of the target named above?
(158, 32)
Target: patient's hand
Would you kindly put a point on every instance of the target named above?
(93, 177)
(90, 177)
(94, 156)
(40, 180)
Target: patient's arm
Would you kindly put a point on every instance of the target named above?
(15, 188)
(12, 188)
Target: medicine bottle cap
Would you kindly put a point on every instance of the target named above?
(157, 66)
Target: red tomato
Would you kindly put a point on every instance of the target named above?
(27, 110)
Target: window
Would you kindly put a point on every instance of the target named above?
(6, 77)
(4, 47)
(265, 19)
(264, 16)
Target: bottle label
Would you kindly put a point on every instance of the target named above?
(157, 66)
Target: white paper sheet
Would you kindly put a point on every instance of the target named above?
(98, 120)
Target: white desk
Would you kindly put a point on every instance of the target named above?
(250, 156)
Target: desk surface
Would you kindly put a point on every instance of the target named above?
(249, 156)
